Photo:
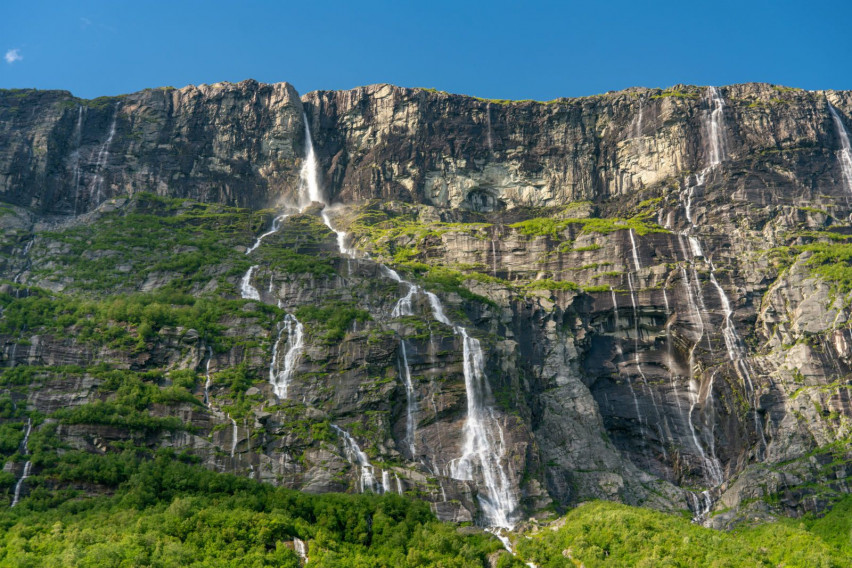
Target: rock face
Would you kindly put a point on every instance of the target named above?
(658, 281)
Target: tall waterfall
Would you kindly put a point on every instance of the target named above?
(309, 189)
(484, 448)
(75, 156)
(281, 369)
(96, 187)
(845, 156)
(716, 151)
(714, 125)
(27, 466)
(410, 399)
(235, 433)
(207, 377)
(483, 445)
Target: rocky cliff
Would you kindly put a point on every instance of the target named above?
(502, 307)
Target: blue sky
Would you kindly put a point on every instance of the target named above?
(514, 50)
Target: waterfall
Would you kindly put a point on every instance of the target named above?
(399, 488)
(845, 156)
(366, 477)
(276, 224)
(483, 447)
(714, 124)
(716, 151)
(247, 291)
(638, 132)
(483, 444)
(280, 380)
(309, 190)
(235, 432)
(488, 131)
(207, 377)
(300, 548)
(410, 400)
(27, 466)
(96, 187)
(19, 485)
(78, 140)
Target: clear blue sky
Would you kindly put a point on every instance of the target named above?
(495, 49)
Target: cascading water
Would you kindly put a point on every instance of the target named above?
(276, 224)
(845, 156)
(366, 476)
(27, 466)
(410, 400)
(280, 379)
(300, 548)
(714, 124)
(247, 290)
(207, 380)
(75, 157)
(637, 336)
(488, 131)
(235, 435)
(96, 187)
(483, 447)
(716, 151)
(309, 189)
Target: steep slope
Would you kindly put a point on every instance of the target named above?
(640, 296)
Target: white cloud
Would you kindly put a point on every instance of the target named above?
(85, 23)
(12, 55)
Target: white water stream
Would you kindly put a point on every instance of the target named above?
(207, 377)
(235, 433)
(300, 548)
(483, 446)
(410, 400)
(366, 475)
(281, 368)
(75, 157)
(27, 466)
(845, 156)
(247, 290)
(96, 187)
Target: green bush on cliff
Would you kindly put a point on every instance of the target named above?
(335, 318)
(546, 226)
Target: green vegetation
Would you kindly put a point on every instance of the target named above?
(675, 93)
(167, 512)
(546, 226)
(832, 262)
(176, 242)
(124, 321)
(554, 285)
(609, 534)
(335, 318)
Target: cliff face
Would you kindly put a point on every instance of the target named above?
(658, 283)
